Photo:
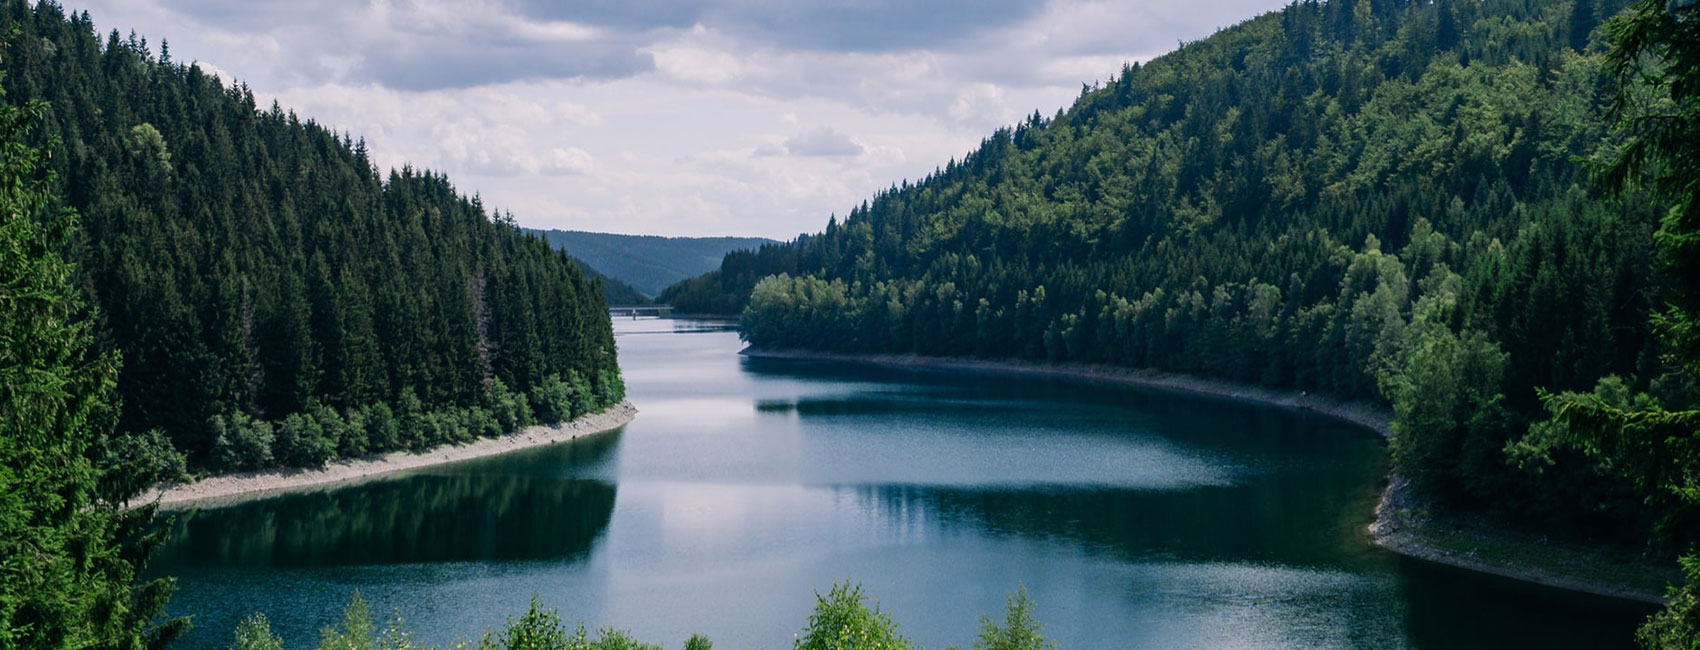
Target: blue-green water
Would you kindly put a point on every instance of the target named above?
(1134, 519)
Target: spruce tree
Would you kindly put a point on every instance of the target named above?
(70, 553)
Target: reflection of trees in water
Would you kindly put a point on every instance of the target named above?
(413, 519)
(590, 456)
(1301, 520)
(1447, 607)
(1240, 428)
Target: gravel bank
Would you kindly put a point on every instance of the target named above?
(249, 484)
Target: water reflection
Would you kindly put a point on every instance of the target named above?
(1295, 523)
(1136, 518)
(462, 512)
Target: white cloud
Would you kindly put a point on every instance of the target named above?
(691, 117)
(568, 161)
(823, 141)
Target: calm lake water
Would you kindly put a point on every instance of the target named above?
(1135, 520)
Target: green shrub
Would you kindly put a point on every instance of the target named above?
(482, 423)
(348, 437)
(241, 442)
(356, 631)
(510, 409)
(843, 621)
(301, 442)
(583, 399)
(411, 420)
(1020, 631)
(552, 400)
(610, 388)
(541, 629)
(255, 633)
(382, 430)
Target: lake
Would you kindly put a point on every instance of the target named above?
(1135, 519)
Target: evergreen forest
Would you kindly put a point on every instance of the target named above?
(1377, 200)
(1480, 216)
(272, 297)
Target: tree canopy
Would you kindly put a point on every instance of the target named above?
(1376, 200)
(274, 297)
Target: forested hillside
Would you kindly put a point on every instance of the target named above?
(1376, 199)
(614, 292)
(649, 263)
(273, 297)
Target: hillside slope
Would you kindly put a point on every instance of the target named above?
(614, 292)
(273, 296)
(648, 263)
(1375, 199)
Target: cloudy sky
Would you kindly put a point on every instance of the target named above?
(671, 117)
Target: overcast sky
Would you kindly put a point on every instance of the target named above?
(669, 117)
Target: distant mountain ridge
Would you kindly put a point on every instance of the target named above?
(649, 263)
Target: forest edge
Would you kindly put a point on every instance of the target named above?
(228, 488)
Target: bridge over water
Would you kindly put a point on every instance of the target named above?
(640, 311)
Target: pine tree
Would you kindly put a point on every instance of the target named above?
(70, 554)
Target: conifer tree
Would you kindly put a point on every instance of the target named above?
(70, 553)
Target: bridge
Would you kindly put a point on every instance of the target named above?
(640, 311)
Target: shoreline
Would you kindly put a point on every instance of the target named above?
(268, 482)
(1364, 415)
(1400, 525)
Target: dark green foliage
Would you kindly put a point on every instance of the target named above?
(698, 642)
(648, 263)
(1655, 62)
(249, 263)
(241, 442)
(1381, 205)
(1677, 626)
(148, 456)
(1576, 478)
(70, 552)
(726, 290)
(1448, 425)
(302, 442)
(842, 620)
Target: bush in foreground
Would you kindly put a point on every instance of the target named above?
(842, 620)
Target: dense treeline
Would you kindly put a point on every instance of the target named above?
(71, 552)
(1375, 199)
(1654, 104)
(726, 290)
(274, 298)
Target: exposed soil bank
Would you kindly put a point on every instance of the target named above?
(1402, 523)
(248, 484)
